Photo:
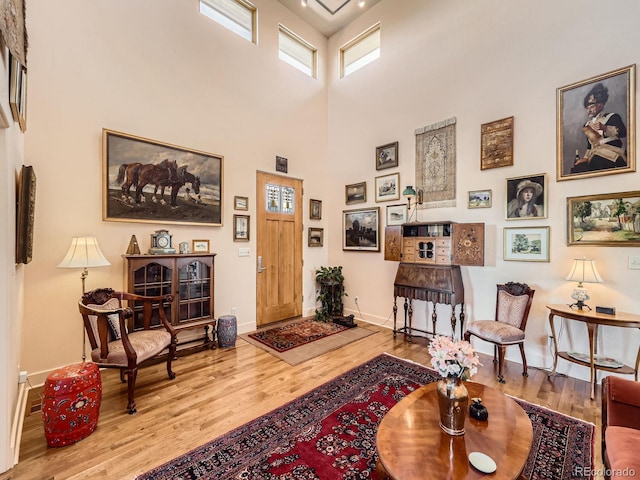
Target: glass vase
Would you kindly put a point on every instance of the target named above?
(453, 400)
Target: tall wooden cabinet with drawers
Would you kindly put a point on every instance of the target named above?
(189, 278)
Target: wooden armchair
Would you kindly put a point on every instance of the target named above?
(513, 303)
(112, 346)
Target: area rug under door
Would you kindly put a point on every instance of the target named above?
(330, 434)
(303, 339)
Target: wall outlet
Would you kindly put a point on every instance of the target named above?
(634, 263)
(356, 299)
(233, 310)
(244, 252)
(23, 377)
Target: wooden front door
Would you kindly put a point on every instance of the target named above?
(279, 248)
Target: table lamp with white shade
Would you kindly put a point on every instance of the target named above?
(583, 271)
(84, 252)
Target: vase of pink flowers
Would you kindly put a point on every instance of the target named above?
(456, 362)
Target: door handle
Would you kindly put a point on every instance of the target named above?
(260, 267)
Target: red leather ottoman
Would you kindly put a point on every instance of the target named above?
(71, 403)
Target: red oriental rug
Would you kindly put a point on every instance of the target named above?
(330, 433)
(295, 334)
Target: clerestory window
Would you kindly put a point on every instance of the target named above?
(360, 51)
(297, 52)
(239, 16)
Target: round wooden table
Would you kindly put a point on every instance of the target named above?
(411, 445)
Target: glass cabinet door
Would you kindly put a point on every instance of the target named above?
(194, 291)
(152, 280)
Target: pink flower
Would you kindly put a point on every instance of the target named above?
(451, 358)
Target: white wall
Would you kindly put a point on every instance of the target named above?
(481, 61)
(163, 71)
(11, 275)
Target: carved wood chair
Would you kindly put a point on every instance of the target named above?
(513, 302)
(112, 346)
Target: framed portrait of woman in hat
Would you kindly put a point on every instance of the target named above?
(526, 197)
(596, 126)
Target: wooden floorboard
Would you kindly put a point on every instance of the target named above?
(218, 390)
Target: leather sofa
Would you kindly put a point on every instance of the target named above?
(620, 427)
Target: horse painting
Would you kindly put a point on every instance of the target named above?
(183, 177)
(139, 175)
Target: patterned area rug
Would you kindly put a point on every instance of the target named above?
(296, 334)
(330, 433)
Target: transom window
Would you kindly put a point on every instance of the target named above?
(297, 52)
(239, 16)
(360, 51)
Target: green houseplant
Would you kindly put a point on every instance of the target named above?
(330, 292)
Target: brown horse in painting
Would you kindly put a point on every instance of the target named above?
(183, 177)
(139, 175)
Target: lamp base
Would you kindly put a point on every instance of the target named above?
(580, 305)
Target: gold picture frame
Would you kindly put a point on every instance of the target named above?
(496, 143)
(355, 193)
(315, 209)
(596, 126)
(240, 203)
(200, 246)
(241, 228)
(609, 219)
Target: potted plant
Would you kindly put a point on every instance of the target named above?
(330, 292)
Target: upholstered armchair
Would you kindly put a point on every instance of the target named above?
(513, 302)
(113, 346)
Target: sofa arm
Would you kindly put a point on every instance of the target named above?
(622, 402)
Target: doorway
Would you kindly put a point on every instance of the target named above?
(279, 248)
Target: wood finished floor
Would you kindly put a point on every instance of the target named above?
(218, 390)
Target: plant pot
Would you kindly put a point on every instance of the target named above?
(453, 401)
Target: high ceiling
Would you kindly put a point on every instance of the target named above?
(328, 16)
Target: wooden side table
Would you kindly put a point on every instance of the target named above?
(592, 319)
(412, 446)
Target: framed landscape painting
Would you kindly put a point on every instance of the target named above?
(148, 181)
(387, 156)
(388, 187)
(355, 193)
(609, 219)
(596, 126)
(361, 229)
(397, 214)
(526, 244)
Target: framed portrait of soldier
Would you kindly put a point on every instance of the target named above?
(596, 126)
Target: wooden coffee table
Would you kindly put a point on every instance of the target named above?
(411, 445)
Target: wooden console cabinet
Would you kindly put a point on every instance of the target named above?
(189, 277)
(431, 254)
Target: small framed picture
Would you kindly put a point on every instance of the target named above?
(241, 228)
(355, 193)
(240, 203)
(526, 244)
(396, 214)
(388, 187)
(316, 237)
(479, 199)
(315, 209)
(526, 197)
(200, 246)
(281, 164)
(387, 156)
(361, 229)
(496, 144)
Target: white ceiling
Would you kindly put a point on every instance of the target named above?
(328, 16)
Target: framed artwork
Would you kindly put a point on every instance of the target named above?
(355, 193)
(388, 187)
(241, 228)
(596, 126)
(281, 164)
(148, 181)
(25, 215)
(526, 244)
(608, 219)
(316, 237)
(479, 199)
(240, 203)
(387, 156)
(315, 209)
(200, 246)
(496, 144)
(526, 197)
(361, 229)
(396, 214)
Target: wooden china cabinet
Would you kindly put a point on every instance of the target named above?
(189, 277)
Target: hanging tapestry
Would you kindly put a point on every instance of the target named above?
(12, 28)
(436, 163)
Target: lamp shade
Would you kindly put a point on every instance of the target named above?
(84, 252)
(409, 191)
(584, 270)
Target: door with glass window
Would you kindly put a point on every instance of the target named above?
(279, 248)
